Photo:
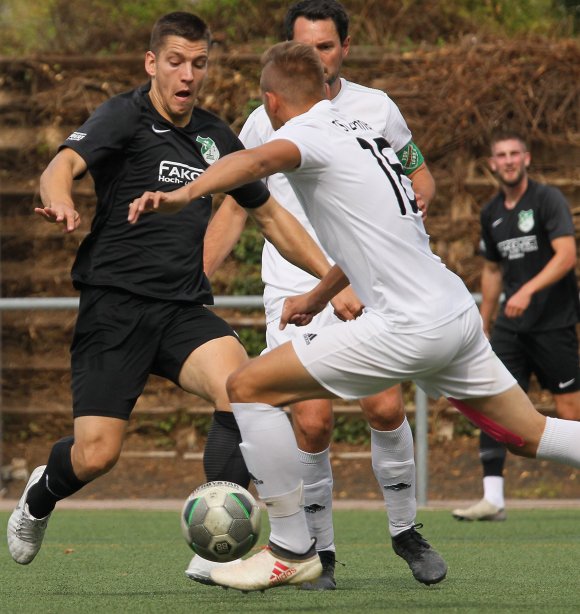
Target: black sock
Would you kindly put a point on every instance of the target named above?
(492, 454)
(57, 482)
(222, 457)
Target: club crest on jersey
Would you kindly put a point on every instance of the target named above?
(209, 149)
(409, 157)
(526, 220)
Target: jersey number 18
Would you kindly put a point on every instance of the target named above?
(394, 173)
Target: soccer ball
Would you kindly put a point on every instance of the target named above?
(220, 521)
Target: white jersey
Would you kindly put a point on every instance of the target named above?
(352, 188)
(280, 277)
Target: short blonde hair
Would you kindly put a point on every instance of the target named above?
(294, 71)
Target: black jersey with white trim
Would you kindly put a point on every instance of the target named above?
(129, 148)
(519, 239)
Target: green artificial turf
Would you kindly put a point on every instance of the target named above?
(133, 561)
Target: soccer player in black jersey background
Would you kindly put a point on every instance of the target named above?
(142, 287)
(528, 241)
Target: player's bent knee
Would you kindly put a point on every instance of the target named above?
(319, 434)
(386, 419)
(239, 387)
(314, 425)
(384, 413)
(93, 462)
(383, 423)
(100, 465)
(313, 442)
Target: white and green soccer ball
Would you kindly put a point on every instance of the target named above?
(220, 521)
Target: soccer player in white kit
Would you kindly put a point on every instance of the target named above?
(324, 25)
(420, 322)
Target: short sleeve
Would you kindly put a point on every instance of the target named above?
(310, 141)
(106, 132)
(556, 217)
(396, 130)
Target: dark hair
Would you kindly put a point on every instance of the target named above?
(182, 24)
(315, 10)
(507, 134)
(293, 70)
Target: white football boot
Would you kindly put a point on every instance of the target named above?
(482, 510)
(268, 570)
(199, 569)
(25, 533)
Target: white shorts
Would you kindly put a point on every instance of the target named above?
(359, 358)
(276, 337)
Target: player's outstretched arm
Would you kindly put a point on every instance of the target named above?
(56, 189)
(229, 172)
(290, 238)
(167, 202)
(222, 234)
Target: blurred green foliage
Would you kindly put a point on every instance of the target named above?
(254, 340)
(249, 248)
(109, 26)
(79, 27)
(353, 430)
(522, 16)
(248, 252)
(247, 281)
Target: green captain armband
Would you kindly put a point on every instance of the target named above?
(411, 157)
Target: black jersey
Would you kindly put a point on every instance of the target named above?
(520, 240)
(130, 148)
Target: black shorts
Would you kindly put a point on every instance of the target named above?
(120, 338)
(551, 355)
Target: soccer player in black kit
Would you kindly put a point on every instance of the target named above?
(529, 245)
(142, 287)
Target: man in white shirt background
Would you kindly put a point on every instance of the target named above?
(323, 24)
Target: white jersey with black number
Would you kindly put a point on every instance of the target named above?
(355, 194)
(371, 105)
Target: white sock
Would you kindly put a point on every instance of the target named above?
(493, 490)
(317, 474)
(560, 442)
(394, 467)
(271, 454)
